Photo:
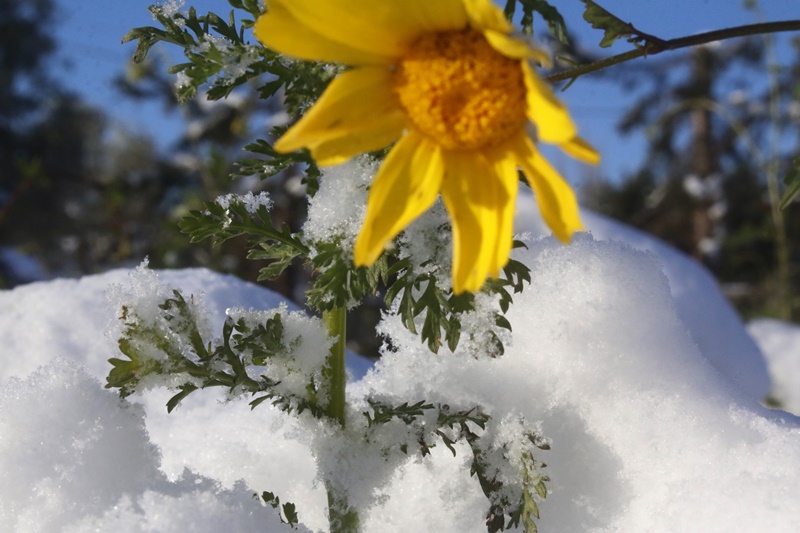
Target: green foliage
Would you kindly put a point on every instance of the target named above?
(27, 37)
(337, 282)
(600, 19)
(156, 347)
(439, 307)
(265, 241)
(468, 426)
(276, 162)
(419, 295)
(792, 182)
(288, 508)
(551, 15)
(382, 413)
(209, 54)
(169, 347)
(219, 54)
(614, 28)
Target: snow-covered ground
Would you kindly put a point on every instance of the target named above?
(623, 350)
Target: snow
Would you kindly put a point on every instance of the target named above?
(623, 354)
(712, 323)
(781, 345)
(339, 207)
(646, 434)
(169, 9)
(252, 202)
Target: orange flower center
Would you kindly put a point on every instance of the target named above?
(460, 91)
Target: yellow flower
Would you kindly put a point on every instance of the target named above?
(445, 78)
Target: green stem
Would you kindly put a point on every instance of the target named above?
(341, 516)
(652, 47)
(335, 321)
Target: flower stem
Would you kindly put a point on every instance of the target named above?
(335, 321)
(341, 516)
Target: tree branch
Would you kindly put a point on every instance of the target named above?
(656, 46)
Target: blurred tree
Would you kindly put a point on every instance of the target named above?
(215, 134)
(24, 90)
(77, 194)
(703, 184)
(24, 44)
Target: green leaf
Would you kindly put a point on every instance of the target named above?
(170, 345)
(280, 254)
(270, 499)
(382, 412)
(509, 9)
(122, 374)
(551, 15)
(289, 509)
(263, 342)
(502, 322)
(290, 512)
(338, 282)
(792, 182)
(251, 6)
(440, 311)
(186, 390)
(238, 219)
(600, 19)
(258, 401)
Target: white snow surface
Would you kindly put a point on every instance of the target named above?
(700, 305)
(781, 345)
(633, 365)
(338, 209)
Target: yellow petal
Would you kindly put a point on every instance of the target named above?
(382, 27)
(484, 15)
(343, 145)
(355, 98)
(435, 16)
(581, 150)
(557, 202)
(279, 30)
(477, 201)
(553, 123)
(406, 185)
(505, 167)
(511, 47)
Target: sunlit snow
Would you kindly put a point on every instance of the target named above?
(630, 361)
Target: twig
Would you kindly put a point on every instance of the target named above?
(656, 46)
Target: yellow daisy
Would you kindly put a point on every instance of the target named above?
(447, 81)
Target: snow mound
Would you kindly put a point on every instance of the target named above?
(712, 323)
(647, 434)
(780, 343)
(650, 430)
(81, 460)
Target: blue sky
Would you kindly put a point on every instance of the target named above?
(90, 55)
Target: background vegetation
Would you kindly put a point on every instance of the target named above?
(79, 196)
